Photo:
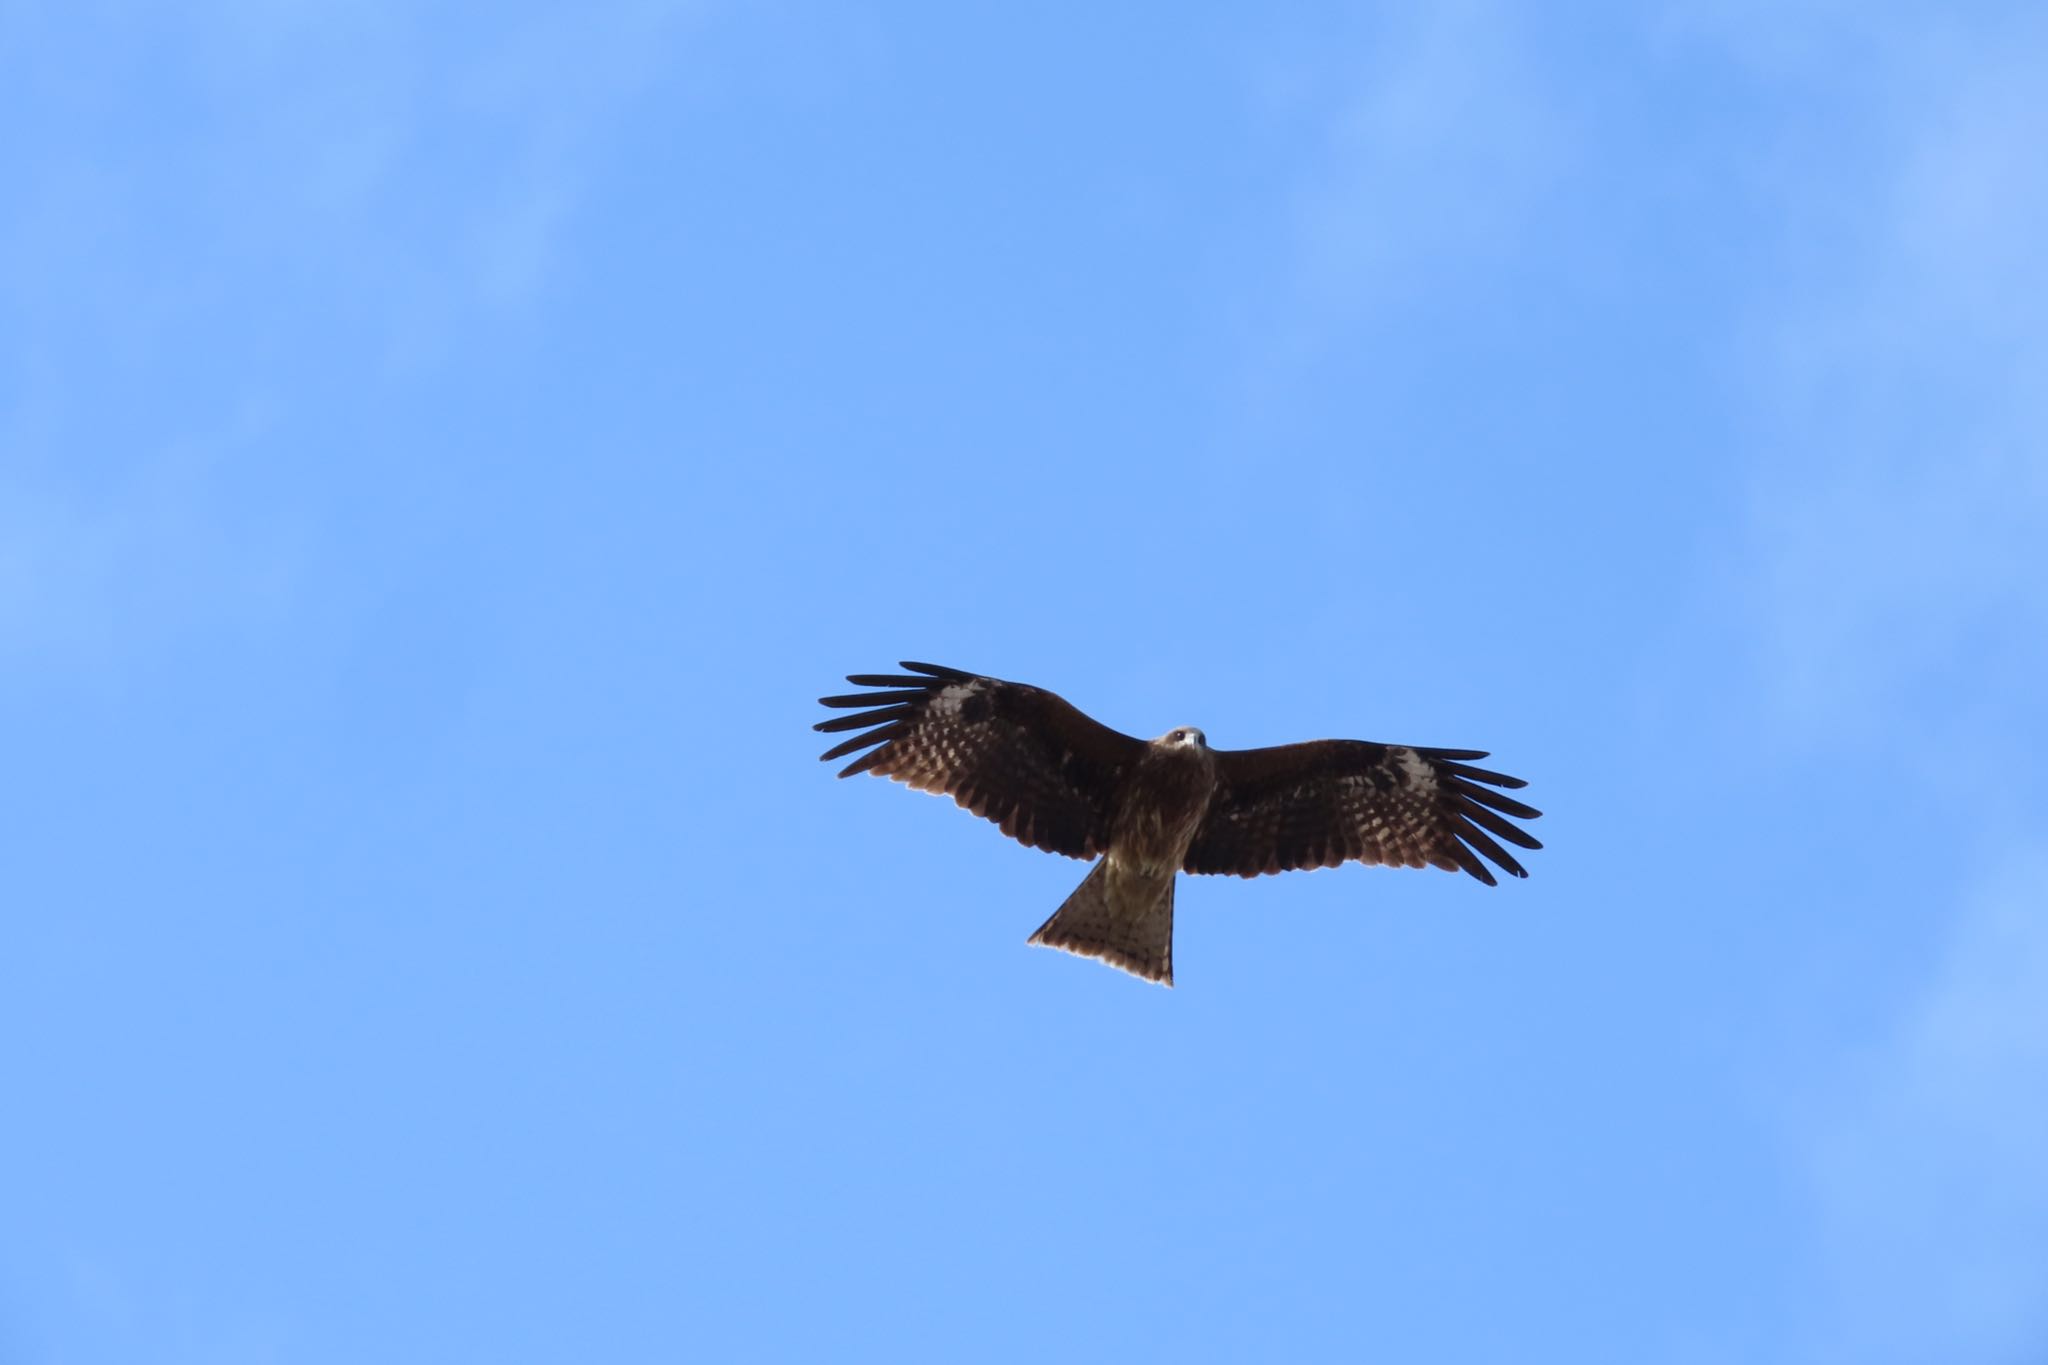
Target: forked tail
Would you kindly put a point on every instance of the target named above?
(1120, 917)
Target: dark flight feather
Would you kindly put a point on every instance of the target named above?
(1337, 800)
(1011, 753)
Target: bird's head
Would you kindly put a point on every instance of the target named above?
(1183, 737)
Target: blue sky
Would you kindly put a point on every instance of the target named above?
(444, 451)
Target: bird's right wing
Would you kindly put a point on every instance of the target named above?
(1009, 752)
(1338, 800)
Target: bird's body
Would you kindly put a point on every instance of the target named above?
(1163, 801)
(1122, 912)
(1054, 779)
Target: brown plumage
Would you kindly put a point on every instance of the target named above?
(1054, 779)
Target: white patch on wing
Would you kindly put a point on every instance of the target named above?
(948, 702)
(1416, 767)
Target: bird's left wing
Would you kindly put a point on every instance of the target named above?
(1009, 752)
(1335, 800)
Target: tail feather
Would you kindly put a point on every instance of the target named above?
(1119, 917)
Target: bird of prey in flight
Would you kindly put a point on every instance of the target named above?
(1052, 778)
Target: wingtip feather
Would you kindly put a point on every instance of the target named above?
(1494, 853)
(861, 764)
(934, 670)
(847, 746)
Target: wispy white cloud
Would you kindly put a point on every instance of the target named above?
(1441, 131)
(225, 209)
(380, 170)
(87, 573)
(1897, 549)
(1930, 1162)
(1901, 511)
(560, 77)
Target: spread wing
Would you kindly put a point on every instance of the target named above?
(1011, 753)
(1336, 800)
